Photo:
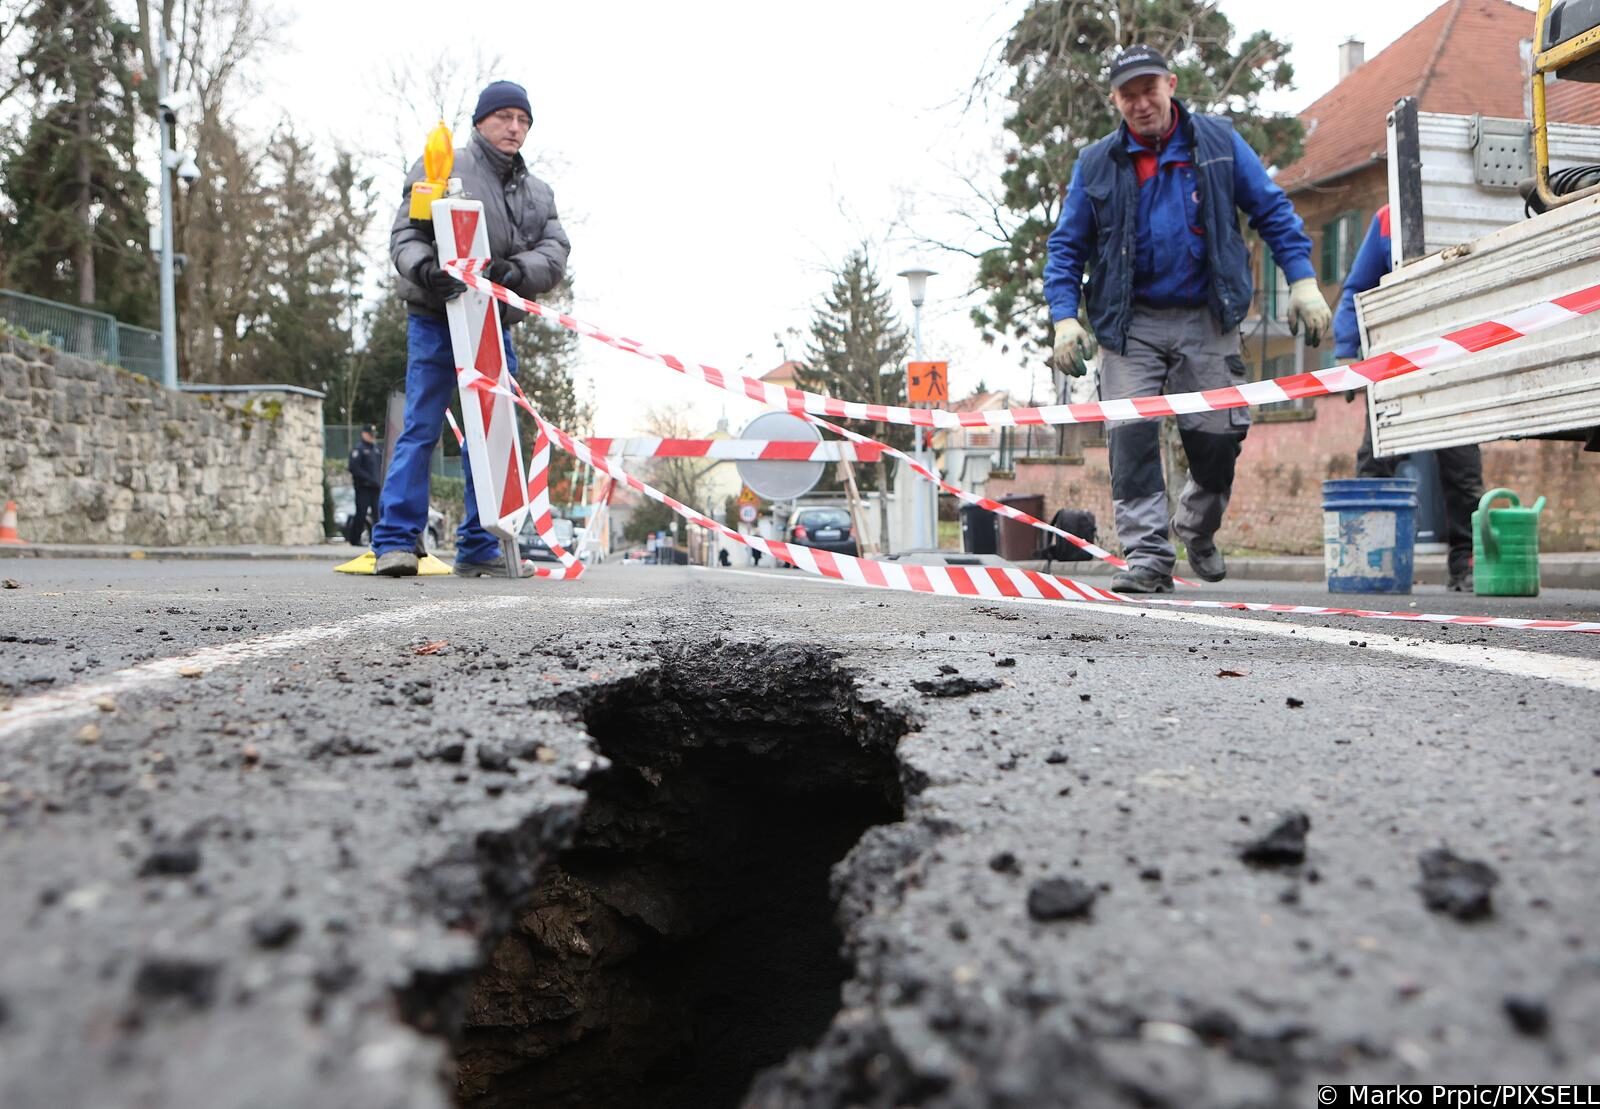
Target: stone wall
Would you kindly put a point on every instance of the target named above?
(94, 454)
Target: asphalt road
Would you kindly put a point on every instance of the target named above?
(243, 865)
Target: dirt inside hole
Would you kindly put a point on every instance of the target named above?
(686, 940)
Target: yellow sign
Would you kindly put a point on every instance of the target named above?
(928, 382)
(748, 496)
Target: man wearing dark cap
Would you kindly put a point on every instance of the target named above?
(366, 474)
(529, 249)
(1152, 217)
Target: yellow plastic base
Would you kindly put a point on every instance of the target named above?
(427, 565)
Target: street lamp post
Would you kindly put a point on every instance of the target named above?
(184, 166)
(925, 504)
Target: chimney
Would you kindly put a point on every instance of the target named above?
(1352, 52)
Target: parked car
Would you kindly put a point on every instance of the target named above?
(827, 529)
(344, 504)
(532, 546)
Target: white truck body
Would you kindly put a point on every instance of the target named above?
(1486, 259)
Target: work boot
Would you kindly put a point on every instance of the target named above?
(495, 569)
(396, 564)
(1141, 579)
(1206, 560)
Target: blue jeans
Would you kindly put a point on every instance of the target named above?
(430, 384)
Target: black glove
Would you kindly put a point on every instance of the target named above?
(437, 282)
(504, 272)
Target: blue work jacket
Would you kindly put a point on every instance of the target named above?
(1373, 260)
(1130, 247)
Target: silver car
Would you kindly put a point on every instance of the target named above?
(344, 504)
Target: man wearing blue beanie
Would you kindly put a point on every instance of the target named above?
(529, 249)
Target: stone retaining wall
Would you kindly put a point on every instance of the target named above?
(94, 454)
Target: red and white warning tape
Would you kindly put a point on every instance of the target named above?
(972, 498)
(1454, 345)
(742, 450)
(993, 582)
(1340, 379)
(869, 449)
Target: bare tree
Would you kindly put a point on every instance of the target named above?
(12, 15)
(222, 220)
(427, 87)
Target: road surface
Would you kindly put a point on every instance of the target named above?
(265, 826)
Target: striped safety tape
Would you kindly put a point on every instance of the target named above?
(994, 582)
(741, 450)
(1357, 375)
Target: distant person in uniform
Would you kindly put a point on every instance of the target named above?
(723, 558)
(366, 473)
(1460, 468)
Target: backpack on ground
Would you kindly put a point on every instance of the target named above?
(1080, 522)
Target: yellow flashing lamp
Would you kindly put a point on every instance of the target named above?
(438, 158)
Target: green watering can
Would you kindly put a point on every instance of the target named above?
(1505, 547)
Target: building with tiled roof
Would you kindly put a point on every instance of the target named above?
(782, 375)
(1467, 57)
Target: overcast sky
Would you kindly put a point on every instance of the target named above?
(712, 158)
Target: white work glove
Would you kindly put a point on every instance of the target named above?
(1307, 307)
(1073, 348)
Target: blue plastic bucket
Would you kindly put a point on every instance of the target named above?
(1369, 533)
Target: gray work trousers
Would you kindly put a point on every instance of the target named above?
(1172, 350)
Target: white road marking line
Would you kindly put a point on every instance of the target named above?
(1578, 673)
(78, 700)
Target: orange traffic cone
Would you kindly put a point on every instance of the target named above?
(8, 526)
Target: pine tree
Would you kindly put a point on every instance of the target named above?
(1058, 56)
(857, 352)
(295, 335)
(354, 208)
(78, 231)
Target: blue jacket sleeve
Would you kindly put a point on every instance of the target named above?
(1271, 213)
(1372, 262)
(1070, 246)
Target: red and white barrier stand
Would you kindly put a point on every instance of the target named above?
(491, 443)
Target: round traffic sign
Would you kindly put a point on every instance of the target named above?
(747, 513)
(781, 481)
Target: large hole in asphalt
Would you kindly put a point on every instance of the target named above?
(686, 940)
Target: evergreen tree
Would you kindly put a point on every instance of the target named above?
(354, 207)
(78, 231)
(295, 334)
(857, 352)
(1057, 57)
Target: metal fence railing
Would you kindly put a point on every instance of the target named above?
(84, 332)
(139, 350)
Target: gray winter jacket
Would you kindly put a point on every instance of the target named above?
(522, 223)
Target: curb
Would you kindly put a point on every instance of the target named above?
(332, 553)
